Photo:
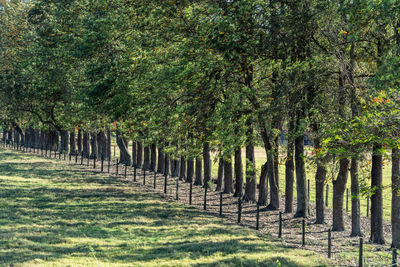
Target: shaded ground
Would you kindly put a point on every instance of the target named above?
(55, 214)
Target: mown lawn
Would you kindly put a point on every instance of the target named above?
(52, 214)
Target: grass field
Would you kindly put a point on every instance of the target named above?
(54, 215)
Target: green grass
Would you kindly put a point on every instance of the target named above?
(54, 215)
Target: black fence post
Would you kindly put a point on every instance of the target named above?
(303, 234)
(155, 180)
(109, 165)
(257, 216)
(360, 253)
(144, 176)
(76, 157)
(70, 157)
(116, 169)
(347, 200)
(94, 161)
(280, 225)
(329, 243)
(220, 203)
(394, 258)
(239, 215)
(134, 174)
(165, 183)
(177, 187)
(327, 195)
(190, 193)
(102, 163)
(82, 158)
(88, 160)
(205, 198)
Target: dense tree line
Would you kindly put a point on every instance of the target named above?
(181, 79)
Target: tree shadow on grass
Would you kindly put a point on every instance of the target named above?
(68, 213)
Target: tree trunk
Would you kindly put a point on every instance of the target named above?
(289, 177)
(207, 164)
(134, 153)
(101, 145)
(276, 164)
(93, 145)
(166, 164)
(86, 144)
(153, 163)
(376, 198)
(228, 178)
(160, 166)
(238, 173)
(146, 161)
(182, 170)
(301, 179)
(320, 177)
(139, 155)
(122, 143)
(262, 191)
(190, 170)
(108, 146)
(172, 167)
(198, 178)
(273, 183)
(355, 199)
(220, 174)
(339, 186)
(79, 141)
(251, 183)
(72, 144)
(395, 198)
(176, 167)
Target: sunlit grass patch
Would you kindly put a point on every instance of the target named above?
(54, 215)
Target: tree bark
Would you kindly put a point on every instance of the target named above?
(320, 178)
(108, 147)
(228, 178)
(93, 145)
(72, 143)
(146, 161)
(376, 198)
(166, 164)
(198, 178)
(207, 164)
(64, 141)
(273, 183)
(139, 158)
(134, 153)
(339, 186)
(251, 183)
(160, 166)
(182, 170)
(101, 145)
(220, 174)
(176, 167)
(395, 198)
(153, 163)
(238, 173)
(355, 199)
(190, 170)
(289, 177)
(86, 149)
(122, 143)
(262, 191)
(79, 141)
(301, 179)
